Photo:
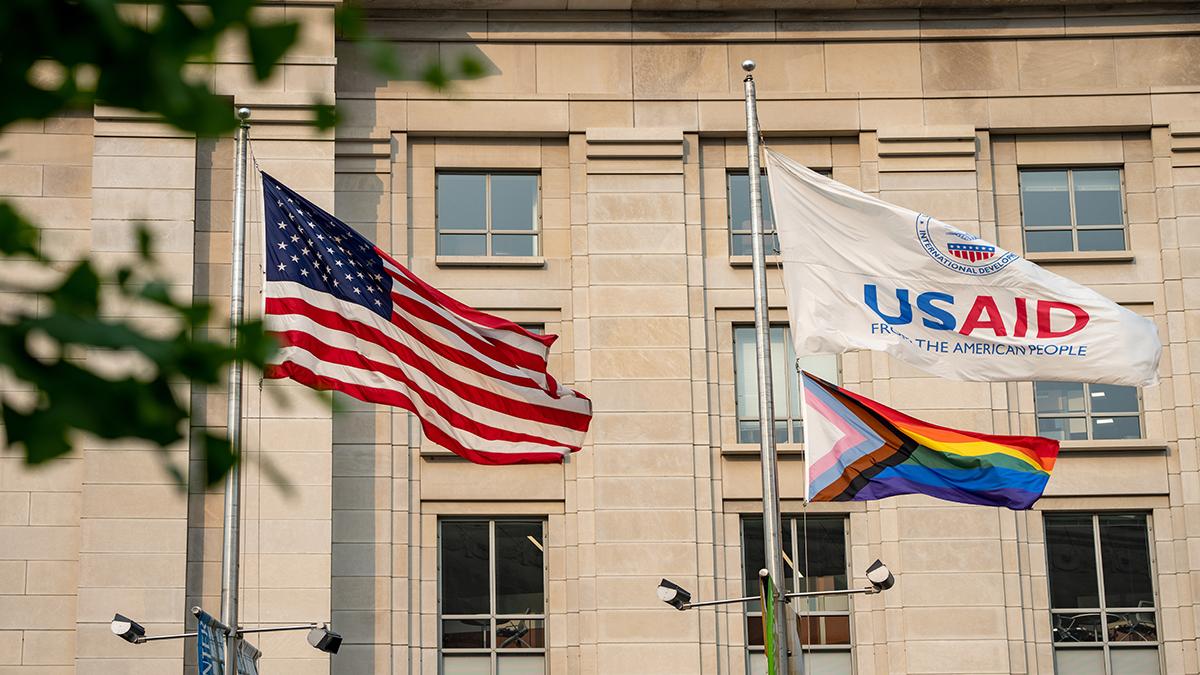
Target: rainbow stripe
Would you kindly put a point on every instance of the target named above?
(859, 449)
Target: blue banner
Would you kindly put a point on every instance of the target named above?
(247, 658)
(210, 645)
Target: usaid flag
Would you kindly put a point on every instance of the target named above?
(864, 274)
(210, 645)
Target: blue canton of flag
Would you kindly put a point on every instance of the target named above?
(310, 247)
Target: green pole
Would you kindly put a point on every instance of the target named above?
(766, 594)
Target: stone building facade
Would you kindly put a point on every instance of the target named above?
(629, 122)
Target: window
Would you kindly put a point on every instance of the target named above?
(492, 596)
(487, 214)
(814, 557)
(741, 241)
(1103, 617)
(1072, 210)
(1072, 411)
(784, 381)
(740, 238)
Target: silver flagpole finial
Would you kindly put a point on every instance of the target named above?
(748, 65)
(243, 113)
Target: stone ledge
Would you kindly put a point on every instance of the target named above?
(751, 450)
(1121, 445)
(748, 261)
(489, 261)
(1082, 257)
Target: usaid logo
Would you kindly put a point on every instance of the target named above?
(956, 250)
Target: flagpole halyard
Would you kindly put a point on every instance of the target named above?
(772, 532)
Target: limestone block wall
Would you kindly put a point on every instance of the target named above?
(47, 175)
(633, 121)
(932, 109)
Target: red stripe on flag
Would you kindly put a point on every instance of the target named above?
(394, 398)
(437, 297)
(426, 313)
(476, 395)
(334, 321)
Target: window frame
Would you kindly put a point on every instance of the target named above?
(792, 519)
(770, 234)
(1105, 644)
(494, 618)
(770, 230)
(487, 231)
(1074, 226)
(1087, 415)
(791, 422)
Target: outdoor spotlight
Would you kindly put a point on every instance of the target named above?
(880, 576)
(673, 595)
(127, 629)
(324, 639)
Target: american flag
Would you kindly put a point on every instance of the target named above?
(349, 318)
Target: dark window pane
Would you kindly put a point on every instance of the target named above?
(514, 202)
(824, 563)
(466, 633)
(462, 244)
(823, 630)
(1044, 198)
(1058, 397)
(520, 633)
(1113, 398)
(1097, 197)
(797, 432)
(1082, 627)
(461, 200)
(1125, 554)
(754, 631)
(514, 244)
(1063, 428)
(742, 244)
(464, 570)
(1101, 240)
(1048, 241)
(519, 568)
(1071, 561)
(1132, 627)
(771, 244)
(1116, 427)
(753, 559)
(790, 566)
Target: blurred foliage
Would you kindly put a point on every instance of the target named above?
(151, 56)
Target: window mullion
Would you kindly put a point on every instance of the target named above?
(487, 213)
(1071, 209)
(1100, 589)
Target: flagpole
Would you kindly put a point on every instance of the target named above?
(233, 485)
(772, 532)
